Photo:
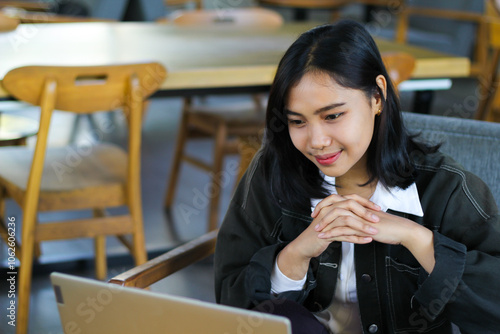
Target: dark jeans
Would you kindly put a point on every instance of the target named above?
(303, 321)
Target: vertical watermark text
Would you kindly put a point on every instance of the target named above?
(11, 271)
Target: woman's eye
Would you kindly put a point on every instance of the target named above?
(333, 116)
(295, 122)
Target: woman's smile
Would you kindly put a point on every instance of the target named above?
(328, 159)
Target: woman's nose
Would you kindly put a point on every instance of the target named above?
(318, 137)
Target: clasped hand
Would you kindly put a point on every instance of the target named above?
(351, 218)
(357, 220)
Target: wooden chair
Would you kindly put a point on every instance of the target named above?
(62, 178)
(234, 18)
(446, 12)
(399, 65)
(489, 107)
(8, 23)
(220, 123)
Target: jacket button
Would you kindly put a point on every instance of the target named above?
(366, 278)
(373, 328)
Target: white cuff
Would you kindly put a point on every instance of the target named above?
(281, 283)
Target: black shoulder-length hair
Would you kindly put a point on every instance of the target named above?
(346, 52)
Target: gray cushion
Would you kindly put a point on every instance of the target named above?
(474, 144)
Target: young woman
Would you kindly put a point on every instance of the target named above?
(344, 222)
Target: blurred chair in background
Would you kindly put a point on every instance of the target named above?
(301, 6)
(76, 178)
(221, 123)
(489, 107)
(454, 27)
(8, 23)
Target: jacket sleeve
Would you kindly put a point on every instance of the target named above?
(247, 246)
(465, 284)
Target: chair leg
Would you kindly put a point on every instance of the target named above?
(100, 257)
(25, 271)
(179, 149)
(218, 159)
(100, 250)
(140, 254)
(488, 84)
(37, 250)
(139, 244)
(248, 147)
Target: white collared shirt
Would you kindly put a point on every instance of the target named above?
(342, 317)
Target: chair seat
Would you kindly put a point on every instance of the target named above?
(93, 174)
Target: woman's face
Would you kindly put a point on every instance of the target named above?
(332, 125)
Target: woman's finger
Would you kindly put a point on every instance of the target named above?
(335, 198)
(351, 238)
(363, 201)
(329, 213)
(344, 218)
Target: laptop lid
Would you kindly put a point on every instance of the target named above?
(91, 306)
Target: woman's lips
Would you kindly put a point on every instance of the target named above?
(327, 159)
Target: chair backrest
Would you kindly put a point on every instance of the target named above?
(473, 144)
(399, 65)
(76, 84)
(489, 103)
(228, 18)
(8, 23)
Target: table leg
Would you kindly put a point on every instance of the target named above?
(299, 14)
(423, 101)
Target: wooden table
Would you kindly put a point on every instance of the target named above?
(207, 60)
(14, 129)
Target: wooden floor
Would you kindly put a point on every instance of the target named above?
(161, 234)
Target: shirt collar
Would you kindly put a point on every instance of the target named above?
(395, 198)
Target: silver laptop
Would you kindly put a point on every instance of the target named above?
(91, 306)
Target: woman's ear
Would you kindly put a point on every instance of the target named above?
(377, 99)
(382, 84)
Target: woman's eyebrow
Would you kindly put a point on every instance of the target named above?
(318, 111)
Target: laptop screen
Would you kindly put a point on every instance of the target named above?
(91, 306)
